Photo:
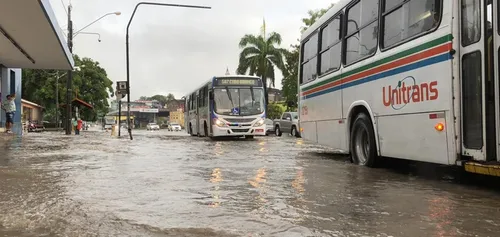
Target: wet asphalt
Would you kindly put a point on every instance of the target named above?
(170, 184)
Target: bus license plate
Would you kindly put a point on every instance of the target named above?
(259, 130)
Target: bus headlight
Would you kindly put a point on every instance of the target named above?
(219, 123)
(259, 123)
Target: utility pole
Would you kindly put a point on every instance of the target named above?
(69, 82)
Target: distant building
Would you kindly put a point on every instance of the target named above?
(274, 95)
(31, 111)
(177, 117)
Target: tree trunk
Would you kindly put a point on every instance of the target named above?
(266, 95)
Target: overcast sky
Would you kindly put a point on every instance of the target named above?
(173, 50)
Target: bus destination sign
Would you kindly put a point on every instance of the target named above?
(237, 82)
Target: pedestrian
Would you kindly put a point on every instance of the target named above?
(79, 125)
(9, 106)
(74, 122)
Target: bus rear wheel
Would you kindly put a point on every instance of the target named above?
(362, 144)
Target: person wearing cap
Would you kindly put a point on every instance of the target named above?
(9, 106)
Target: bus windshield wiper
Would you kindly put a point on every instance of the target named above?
(253, 97)
(230, 97)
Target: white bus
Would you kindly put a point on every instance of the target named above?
(411, 79)
(227, 106)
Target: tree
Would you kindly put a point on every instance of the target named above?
(160, 98)
(314, 15)
(290, 75)
(90, 84)
(260, 56)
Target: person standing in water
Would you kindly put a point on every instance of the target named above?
(79, 126)
(9, 106)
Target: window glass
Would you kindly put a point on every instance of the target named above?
(362, 44)
(471, 21)
(309, 70)
(389, 4)
(330, 59)
(310, 47)
(410, 19)
(361, 14)
(472, 102)
(330, 34)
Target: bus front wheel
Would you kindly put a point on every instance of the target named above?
(362, 144)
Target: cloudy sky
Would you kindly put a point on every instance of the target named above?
(173, 50)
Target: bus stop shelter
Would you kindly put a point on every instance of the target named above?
(30, 37)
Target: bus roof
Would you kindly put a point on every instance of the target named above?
(225, 76)
(334, 10)
(237, 76)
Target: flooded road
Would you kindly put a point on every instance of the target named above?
(168, 184)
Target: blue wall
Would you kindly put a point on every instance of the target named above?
(11, 80)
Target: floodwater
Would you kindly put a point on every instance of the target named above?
(170, 184)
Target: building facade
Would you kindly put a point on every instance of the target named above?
(177, 117)
(31, 112)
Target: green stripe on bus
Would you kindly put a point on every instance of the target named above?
(394, 57)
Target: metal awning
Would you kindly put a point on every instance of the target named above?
(30, 36)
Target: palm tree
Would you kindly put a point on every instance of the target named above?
(260, 55)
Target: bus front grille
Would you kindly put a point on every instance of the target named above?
(237, 130)
(239, 120)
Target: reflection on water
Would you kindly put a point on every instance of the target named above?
(441, 213)
(216, 179)
(298, 182)
(218, 149)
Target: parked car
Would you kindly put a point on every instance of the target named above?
(269, 126)
(152, 127)
(174, 127)
(288, 123)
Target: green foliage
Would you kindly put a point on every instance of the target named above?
(290, 75)
(274, 110)
(91, 84)
(260, 55)
(314, 15)
(160, 98)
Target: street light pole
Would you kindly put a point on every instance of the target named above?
(69, 81)
(127, 49)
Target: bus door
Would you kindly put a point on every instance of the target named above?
(478, 80)
(494, 9)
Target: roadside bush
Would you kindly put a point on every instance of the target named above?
(274, 111)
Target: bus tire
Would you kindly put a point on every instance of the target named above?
(277, 131)
(294, 132)
(362, 143)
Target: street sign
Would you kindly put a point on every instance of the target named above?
(119, 95)
(121, 88)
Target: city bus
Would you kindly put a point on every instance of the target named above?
(225, 106)
(410, 79)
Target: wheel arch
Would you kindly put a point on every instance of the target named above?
(356, 108)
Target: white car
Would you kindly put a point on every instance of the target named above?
(174, 127)
(152, 127)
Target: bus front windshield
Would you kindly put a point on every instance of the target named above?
(239, 101)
